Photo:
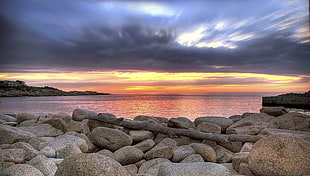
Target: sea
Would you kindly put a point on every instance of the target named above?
(130, 106)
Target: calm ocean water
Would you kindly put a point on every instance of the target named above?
(129, 106)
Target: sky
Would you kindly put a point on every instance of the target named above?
(157, 47)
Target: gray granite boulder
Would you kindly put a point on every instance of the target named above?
(181, 122)
(253, 124)
(151, 167)
(181, 152)
(90, 164)
(10, 135)
(13, 155)
(209, 128)
(30, 152)
(44, 165)
(111, 139)
(145, 145)
(138, 136)
(192, 159)
(294, 121)
(42, 130)
(280, 154)
(22, 170)
(81, 114)
(223, 122)
(128, 155)
(223, 155)
(207, 152)
(193, 169)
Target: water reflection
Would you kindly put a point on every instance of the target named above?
(129, 106)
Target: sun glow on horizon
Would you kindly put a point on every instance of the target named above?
(146, 82)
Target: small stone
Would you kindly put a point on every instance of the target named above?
(223, 122)
(57, 123)
(10, 135)
(79, 127)
(246, 147)
(159, 152)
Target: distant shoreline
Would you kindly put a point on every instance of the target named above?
(20, 89)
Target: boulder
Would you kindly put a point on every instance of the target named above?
(91, 146)
(253, 124)
(10, 135)
(223, 122)
(48, 152)
(68, 150)
(238, 158)
(274, 111)
(22, 170)
(302, 134)
(244, 169)
(159, 137)
(207, 152)
(193, 169)
(44, 165)
(167, 142)
(13, 155)
(180, 122)
(235, 118)
(182, 140)
(209, 128)
(159, 152)
(92, 124)
(106, 153)
(230, 168)
(90, 164)
(138, 136)
(145, 145)
(131, 168)
(43, 130)
(151, 167)
(192, 159)
(181, 152)
(57, 123)
(25, 116)
(79, 127)
(28, 123)
(294, 121)
(40, 142)
(81, 114)
(128, 155)
(7, 118)
(64, 116)
(111, 139)
(223, 155)
(62, 141)
(280, 154)
(30, 152)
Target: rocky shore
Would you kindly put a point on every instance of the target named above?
(41, 91)
(292, 100)
(272, 142)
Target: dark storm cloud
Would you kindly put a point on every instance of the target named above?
(90, 35)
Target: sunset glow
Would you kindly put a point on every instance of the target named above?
(137, 82)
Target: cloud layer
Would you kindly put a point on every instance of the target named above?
(269, 37)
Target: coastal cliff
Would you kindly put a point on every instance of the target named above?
(19, 88)
(294, 100)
